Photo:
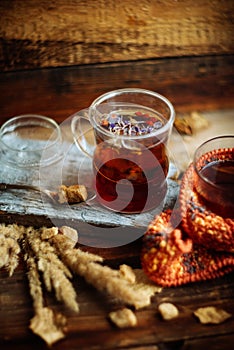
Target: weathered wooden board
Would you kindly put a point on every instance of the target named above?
(74, 167)
(60, 33)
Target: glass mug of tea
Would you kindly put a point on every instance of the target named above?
(214, 174)
(131, 128)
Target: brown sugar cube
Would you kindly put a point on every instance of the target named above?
(72, 194)
(70, 233)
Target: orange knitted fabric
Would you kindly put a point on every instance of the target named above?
(201, 247)
(202, 225)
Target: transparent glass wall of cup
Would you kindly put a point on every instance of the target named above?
(214, 174)
(30, 141)
(130, 163)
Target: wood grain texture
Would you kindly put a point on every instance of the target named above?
(90, 329)
(190, 83)
(181, 49)
(69, 32)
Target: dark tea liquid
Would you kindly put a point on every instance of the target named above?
(220, 196)
(127, 177)
(221, 173)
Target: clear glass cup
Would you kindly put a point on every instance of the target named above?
(127, 142)
(28, 141)
(214, 174)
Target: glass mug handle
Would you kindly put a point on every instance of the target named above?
(83, 135)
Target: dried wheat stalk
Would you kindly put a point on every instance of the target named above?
(65, 248)
(101, 277)
(48, 325)
(9, 247)
(108, 280)
(55, 273)
(52, 251)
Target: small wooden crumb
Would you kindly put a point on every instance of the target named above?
(70, 233)
(189, 124)
(123, 318)
(211, 314)
(72, 194)
(168, 311)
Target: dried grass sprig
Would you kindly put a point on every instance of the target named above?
(9, 247)
(72, 257)
(48, 325)
(55, 274)
(51, 255)
(103, 278)
(106, 279)
(35, 286)
(14, 231)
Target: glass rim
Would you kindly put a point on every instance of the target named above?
(196, 157)
(55, 128)
(102, 98)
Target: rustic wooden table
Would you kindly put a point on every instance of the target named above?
(58, 93)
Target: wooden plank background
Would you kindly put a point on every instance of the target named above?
(197, 83)
(56, 57)
(43, 33)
